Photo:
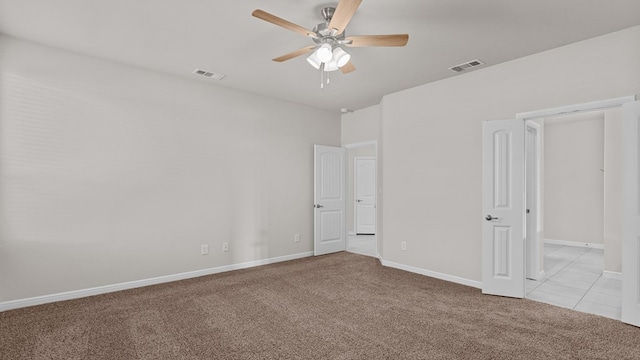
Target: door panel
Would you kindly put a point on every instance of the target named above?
(329, 199)
(630, 215)
(503, 208)
(365, 189)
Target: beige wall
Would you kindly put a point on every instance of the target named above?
(574, 178)
(361, 125)
(432, 142)
(613, 190)
(110, 174)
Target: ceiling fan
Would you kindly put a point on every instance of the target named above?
(326, 53)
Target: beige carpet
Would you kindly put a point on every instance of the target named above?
(340, 306)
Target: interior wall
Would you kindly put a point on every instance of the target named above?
(433, 135)
(613, 190)
(110, 173)
(361, 151)
(574, 178)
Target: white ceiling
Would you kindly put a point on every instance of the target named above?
(178, 36)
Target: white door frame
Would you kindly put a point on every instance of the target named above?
(375, 146)
(571, 109)
(630, 215)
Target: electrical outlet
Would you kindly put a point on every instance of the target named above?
(403, 245)
(296, 238)
(225, 247)
(204, 250)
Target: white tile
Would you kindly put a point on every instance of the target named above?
(593, 256)
(598, 309)
(550, 248)
(566, 291)
(603, 299)
(553, 299)
(572, 271)
(569, 252)
(532, 284)
(608, 286)
(573, 279)
(584, 268)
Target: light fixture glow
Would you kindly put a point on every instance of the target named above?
(331, 65)
(313, 60)
(324, 53)
(340, 56)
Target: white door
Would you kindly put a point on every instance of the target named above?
(532, 201)
(329, 200)
(503, 208)
(365, 195)
(630, 213)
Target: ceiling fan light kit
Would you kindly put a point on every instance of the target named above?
(327, 55)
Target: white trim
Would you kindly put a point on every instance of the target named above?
(433, 274)
(595, 105)
(76, 294)
(541, 275)
(361, 144)
(574, 243)
(351, 233)
(612, 275)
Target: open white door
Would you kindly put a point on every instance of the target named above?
(630, 213)
(503, 208)
(365, 186)
(533, 259)
(329, 200)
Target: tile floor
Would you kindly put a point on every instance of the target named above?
(573, 279)
(362, 244)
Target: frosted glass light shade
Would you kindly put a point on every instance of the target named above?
(331, 65)
(313, 60)
(324, 53)
(341, 57)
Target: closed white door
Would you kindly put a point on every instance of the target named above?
(503, 208)
(329, 200)
(631, 215)
(365, 195)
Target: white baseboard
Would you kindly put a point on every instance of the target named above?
(574, 243)
(612, 275)
(433, 274)
(76, 294)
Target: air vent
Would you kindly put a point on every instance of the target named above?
(208, 74)
(466, 66)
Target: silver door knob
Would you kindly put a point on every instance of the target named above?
(489, 218)
(318, 206)
(359, 200)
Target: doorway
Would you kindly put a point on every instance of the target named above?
(573, 194)
(361, 216)
(504, 194)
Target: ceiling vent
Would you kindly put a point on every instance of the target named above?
(208, 74)
(466, 66)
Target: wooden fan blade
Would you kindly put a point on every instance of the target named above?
(378, 40)
(343, 14)
(347, 68)
(291, 55)
(260, 14)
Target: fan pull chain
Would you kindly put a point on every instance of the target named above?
(322, 76)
